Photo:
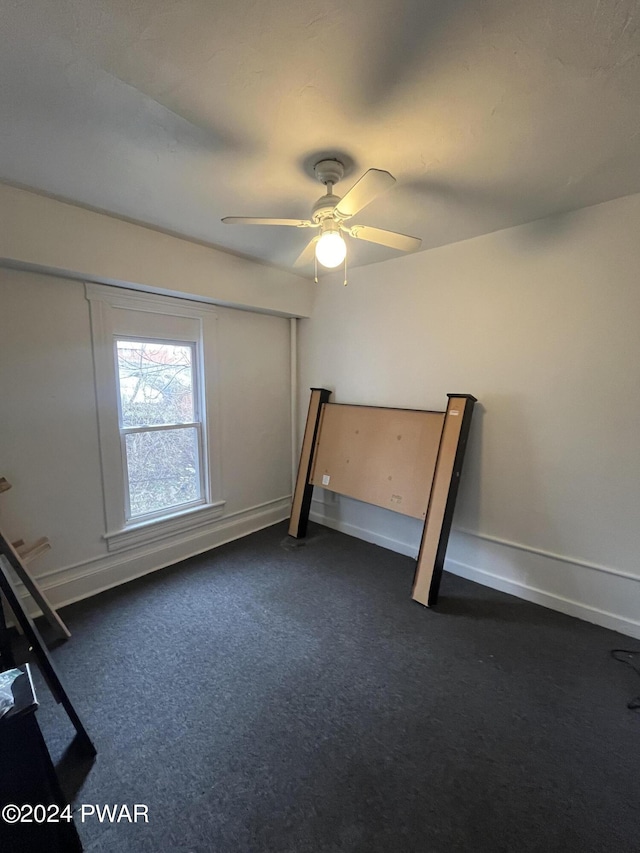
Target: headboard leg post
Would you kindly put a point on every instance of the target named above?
(301, 505)
(442, 501)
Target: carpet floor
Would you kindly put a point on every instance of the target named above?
(269, 696)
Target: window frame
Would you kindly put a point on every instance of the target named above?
(114, 313)
(199, 424)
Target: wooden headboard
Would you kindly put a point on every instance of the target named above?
(405, 460)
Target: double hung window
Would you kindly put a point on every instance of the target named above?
(155, 366)
(161, 437)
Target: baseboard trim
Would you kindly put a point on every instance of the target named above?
(549, 555)
(81, 580)
(553, 601)
(73, 583)
(587, 612)
(363, 533)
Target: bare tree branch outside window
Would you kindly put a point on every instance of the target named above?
(156, 387)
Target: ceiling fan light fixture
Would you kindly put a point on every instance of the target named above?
(331, 249)
(329, 214)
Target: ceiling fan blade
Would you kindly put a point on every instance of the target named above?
(372, 184)
(263, 220)
(392, 239)
(306, 255)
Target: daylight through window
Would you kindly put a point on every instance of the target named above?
(160, 426)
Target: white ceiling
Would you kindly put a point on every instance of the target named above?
(175, 113)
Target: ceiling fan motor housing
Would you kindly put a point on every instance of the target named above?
(328, 172)
(324, 207)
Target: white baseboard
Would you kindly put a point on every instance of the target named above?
(553, 601)
(363, 533)
(73, 583)
(597, 583)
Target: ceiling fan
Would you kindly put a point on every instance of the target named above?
(330, 214)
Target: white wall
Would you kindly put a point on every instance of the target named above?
(44, 234)
(539, 322)
(49, 436)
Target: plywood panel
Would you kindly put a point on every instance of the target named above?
(385, 457)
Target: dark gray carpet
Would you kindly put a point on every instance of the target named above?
(265, 697)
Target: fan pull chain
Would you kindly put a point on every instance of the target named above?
(345, 270)
(315, 260)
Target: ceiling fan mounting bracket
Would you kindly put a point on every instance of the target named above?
(329, 171)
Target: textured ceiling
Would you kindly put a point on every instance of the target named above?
(489, 113)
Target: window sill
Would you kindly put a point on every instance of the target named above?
(163, 528)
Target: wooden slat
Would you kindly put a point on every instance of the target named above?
(18, 554)
(15, 561)
(30, 552)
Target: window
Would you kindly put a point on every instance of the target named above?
(155, 367)
(160, 426)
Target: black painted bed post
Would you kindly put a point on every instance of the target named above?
(43, 658)
(446, 479)
(301, 505)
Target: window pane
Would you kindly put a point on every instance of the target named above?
(155, 383)
(163, 469)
